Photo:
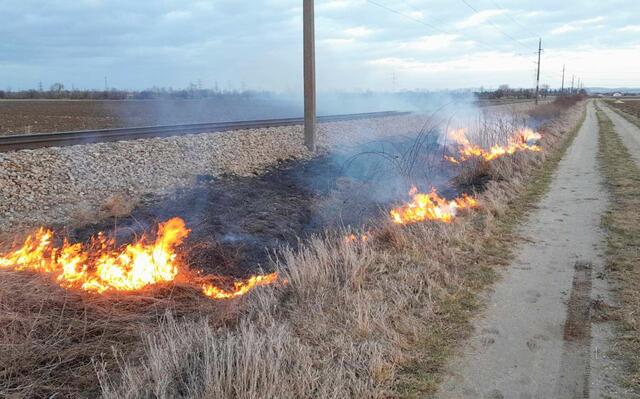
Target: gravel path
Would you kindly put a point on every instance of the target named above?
(628, 132)
(536, 339)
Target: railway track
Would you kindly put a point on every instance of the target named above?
(60, 139)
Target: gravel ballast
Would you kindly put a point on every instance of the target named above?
(84, 183)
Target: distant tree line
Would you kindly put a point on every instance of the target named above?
(57, 91)
(504, 91)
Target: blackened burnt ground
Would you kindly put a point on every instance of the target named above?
(237, 223)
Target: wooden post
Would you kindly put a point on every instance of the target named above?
(309, 76)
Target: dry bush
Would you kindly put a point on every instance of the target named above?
(117, 205)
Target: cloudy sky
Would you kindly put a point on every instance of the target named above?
(361, 44)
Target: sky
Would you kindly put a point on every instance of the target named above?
(380, 45)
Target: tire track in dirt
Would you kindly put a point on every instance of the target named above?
(534, 340)
(575, 362)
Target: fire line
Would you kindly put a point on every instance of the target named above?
(100, 266)
(430, 206)
(522, 140)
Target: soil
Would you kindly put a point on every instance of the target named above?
(630, 106)
(40, 116)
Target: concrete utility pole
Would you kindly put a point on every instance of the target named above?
(309, 75)
(562, 88)
(538, 77)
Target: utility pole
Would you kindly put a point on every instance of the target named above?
(562, 88)
(538, 75)
(309, 75)
(572, 79)
(578, 87)
(106, 86)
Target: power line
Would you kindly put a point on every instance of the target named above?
(438, 29)
(495, 26)
(513, 19)
(420, 21)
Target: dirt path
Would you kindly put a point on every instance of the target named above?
(536, 339)
(628, 132)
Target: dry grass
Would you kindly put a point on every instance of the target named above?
(372, 320)
(360, 320)
(475, 172)
(50, 338)
(555, 108)
(622, 221)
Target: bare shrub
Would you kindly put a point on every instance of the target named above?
(117, 205)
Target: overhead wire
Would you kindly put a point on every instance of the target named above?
(505, 34)
(513, 19)
(436, 28)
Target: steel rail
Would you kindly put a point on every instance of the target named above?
(60, 139)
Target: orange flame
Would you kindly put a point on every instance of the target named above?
(353, 237)
(430, 207)
(103, 267)
(518, 142)
(239, 287)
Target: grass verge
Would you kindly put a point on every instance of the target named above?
(356, 320)
(496, 249)
(374, 319)
(622, 221)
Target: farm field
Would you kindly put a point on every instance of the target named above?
(40, 116)
(630, 106)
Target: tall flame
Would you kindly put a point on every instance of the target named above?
(102, 266)
(430, 207)
(521, 141)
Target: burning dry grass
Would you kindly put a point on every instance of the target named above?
(623, 254)
(357, 318)
(372, 318)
